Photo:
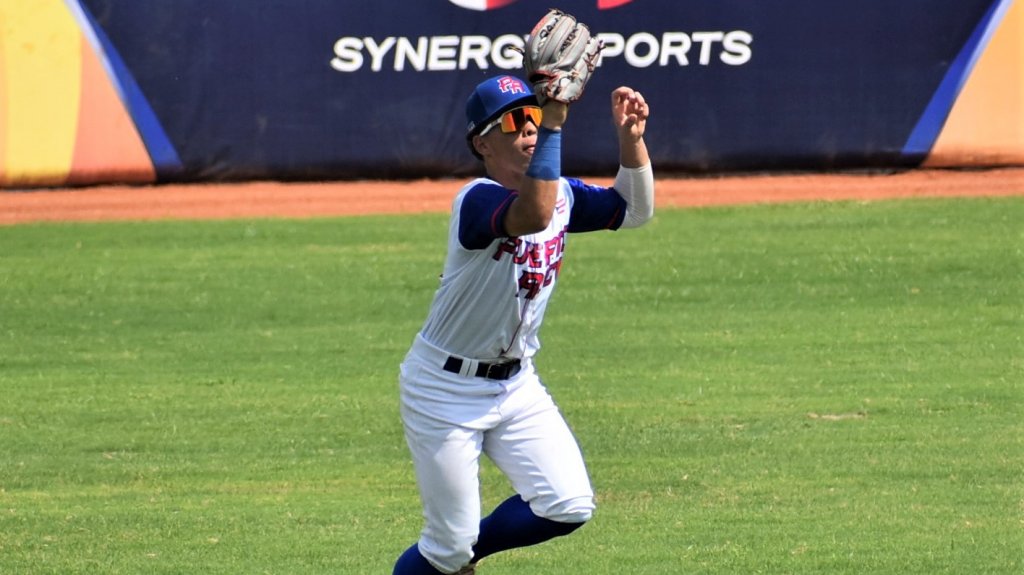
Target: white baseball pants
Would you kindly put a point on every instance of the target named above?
(451, 419)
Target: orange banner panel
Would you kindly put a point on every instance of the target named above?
(986, 125)
(108, 146)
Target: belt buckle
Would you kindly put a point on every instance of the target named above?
(503, 370)
(491, 367)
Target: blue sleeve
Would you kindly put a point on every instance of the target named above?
(595, 207)
(482, 215)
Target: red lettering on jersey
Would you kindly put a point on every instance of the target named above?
(535, 257)
(542, 260)
(554, 248)
(509, 246)
(531, 283)
(521, 252)
(551, 250)
(552, 274)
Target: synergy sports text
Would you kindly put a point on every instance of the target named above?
(448, 53)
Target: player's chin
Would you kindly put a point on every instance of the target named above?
(526, 158)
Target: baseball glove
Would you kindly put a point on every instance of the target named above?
(559, 58)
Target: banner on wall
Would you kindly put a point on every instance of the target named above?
(317, 89)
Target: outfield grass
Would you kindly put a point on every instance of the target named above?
(804, 388)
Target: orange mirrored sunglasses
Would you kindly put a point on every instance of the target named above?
(515, 120)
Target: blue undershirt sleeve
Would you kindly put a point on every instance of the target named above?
(594, 207)
(482, 215)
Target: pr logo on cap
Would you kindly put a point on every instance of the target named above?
(510, 85)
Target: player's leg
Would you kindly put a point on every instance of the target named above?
(537, 451)
(446, 459)
(512, 525)
(447, 468)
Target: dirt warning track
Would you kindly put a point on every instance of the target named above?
(281, 199)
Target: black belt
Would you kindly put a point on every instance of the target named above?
(497, 371)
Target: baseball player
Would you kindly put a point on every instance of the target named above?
(468, 385)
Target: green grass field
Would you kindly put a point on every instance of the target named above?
(803, 388)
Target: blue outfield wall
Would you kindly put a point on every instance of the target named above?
(338, 89)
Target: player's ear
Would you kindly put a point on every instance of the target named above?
(481, 145)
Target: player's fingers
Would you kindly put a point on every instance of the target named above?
(643, 110)
(621, 95)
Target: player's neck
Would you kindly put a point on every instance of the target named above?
(507, 177)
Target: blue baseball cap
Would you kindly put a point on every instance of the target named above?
(492, 98)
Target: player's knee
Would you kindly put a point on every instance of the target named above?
(573, 512)
(450, 556)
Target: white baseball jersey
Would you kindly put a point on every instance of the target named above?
(495, 288)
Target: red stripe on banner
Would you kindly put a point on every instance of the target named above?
(609, 4)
